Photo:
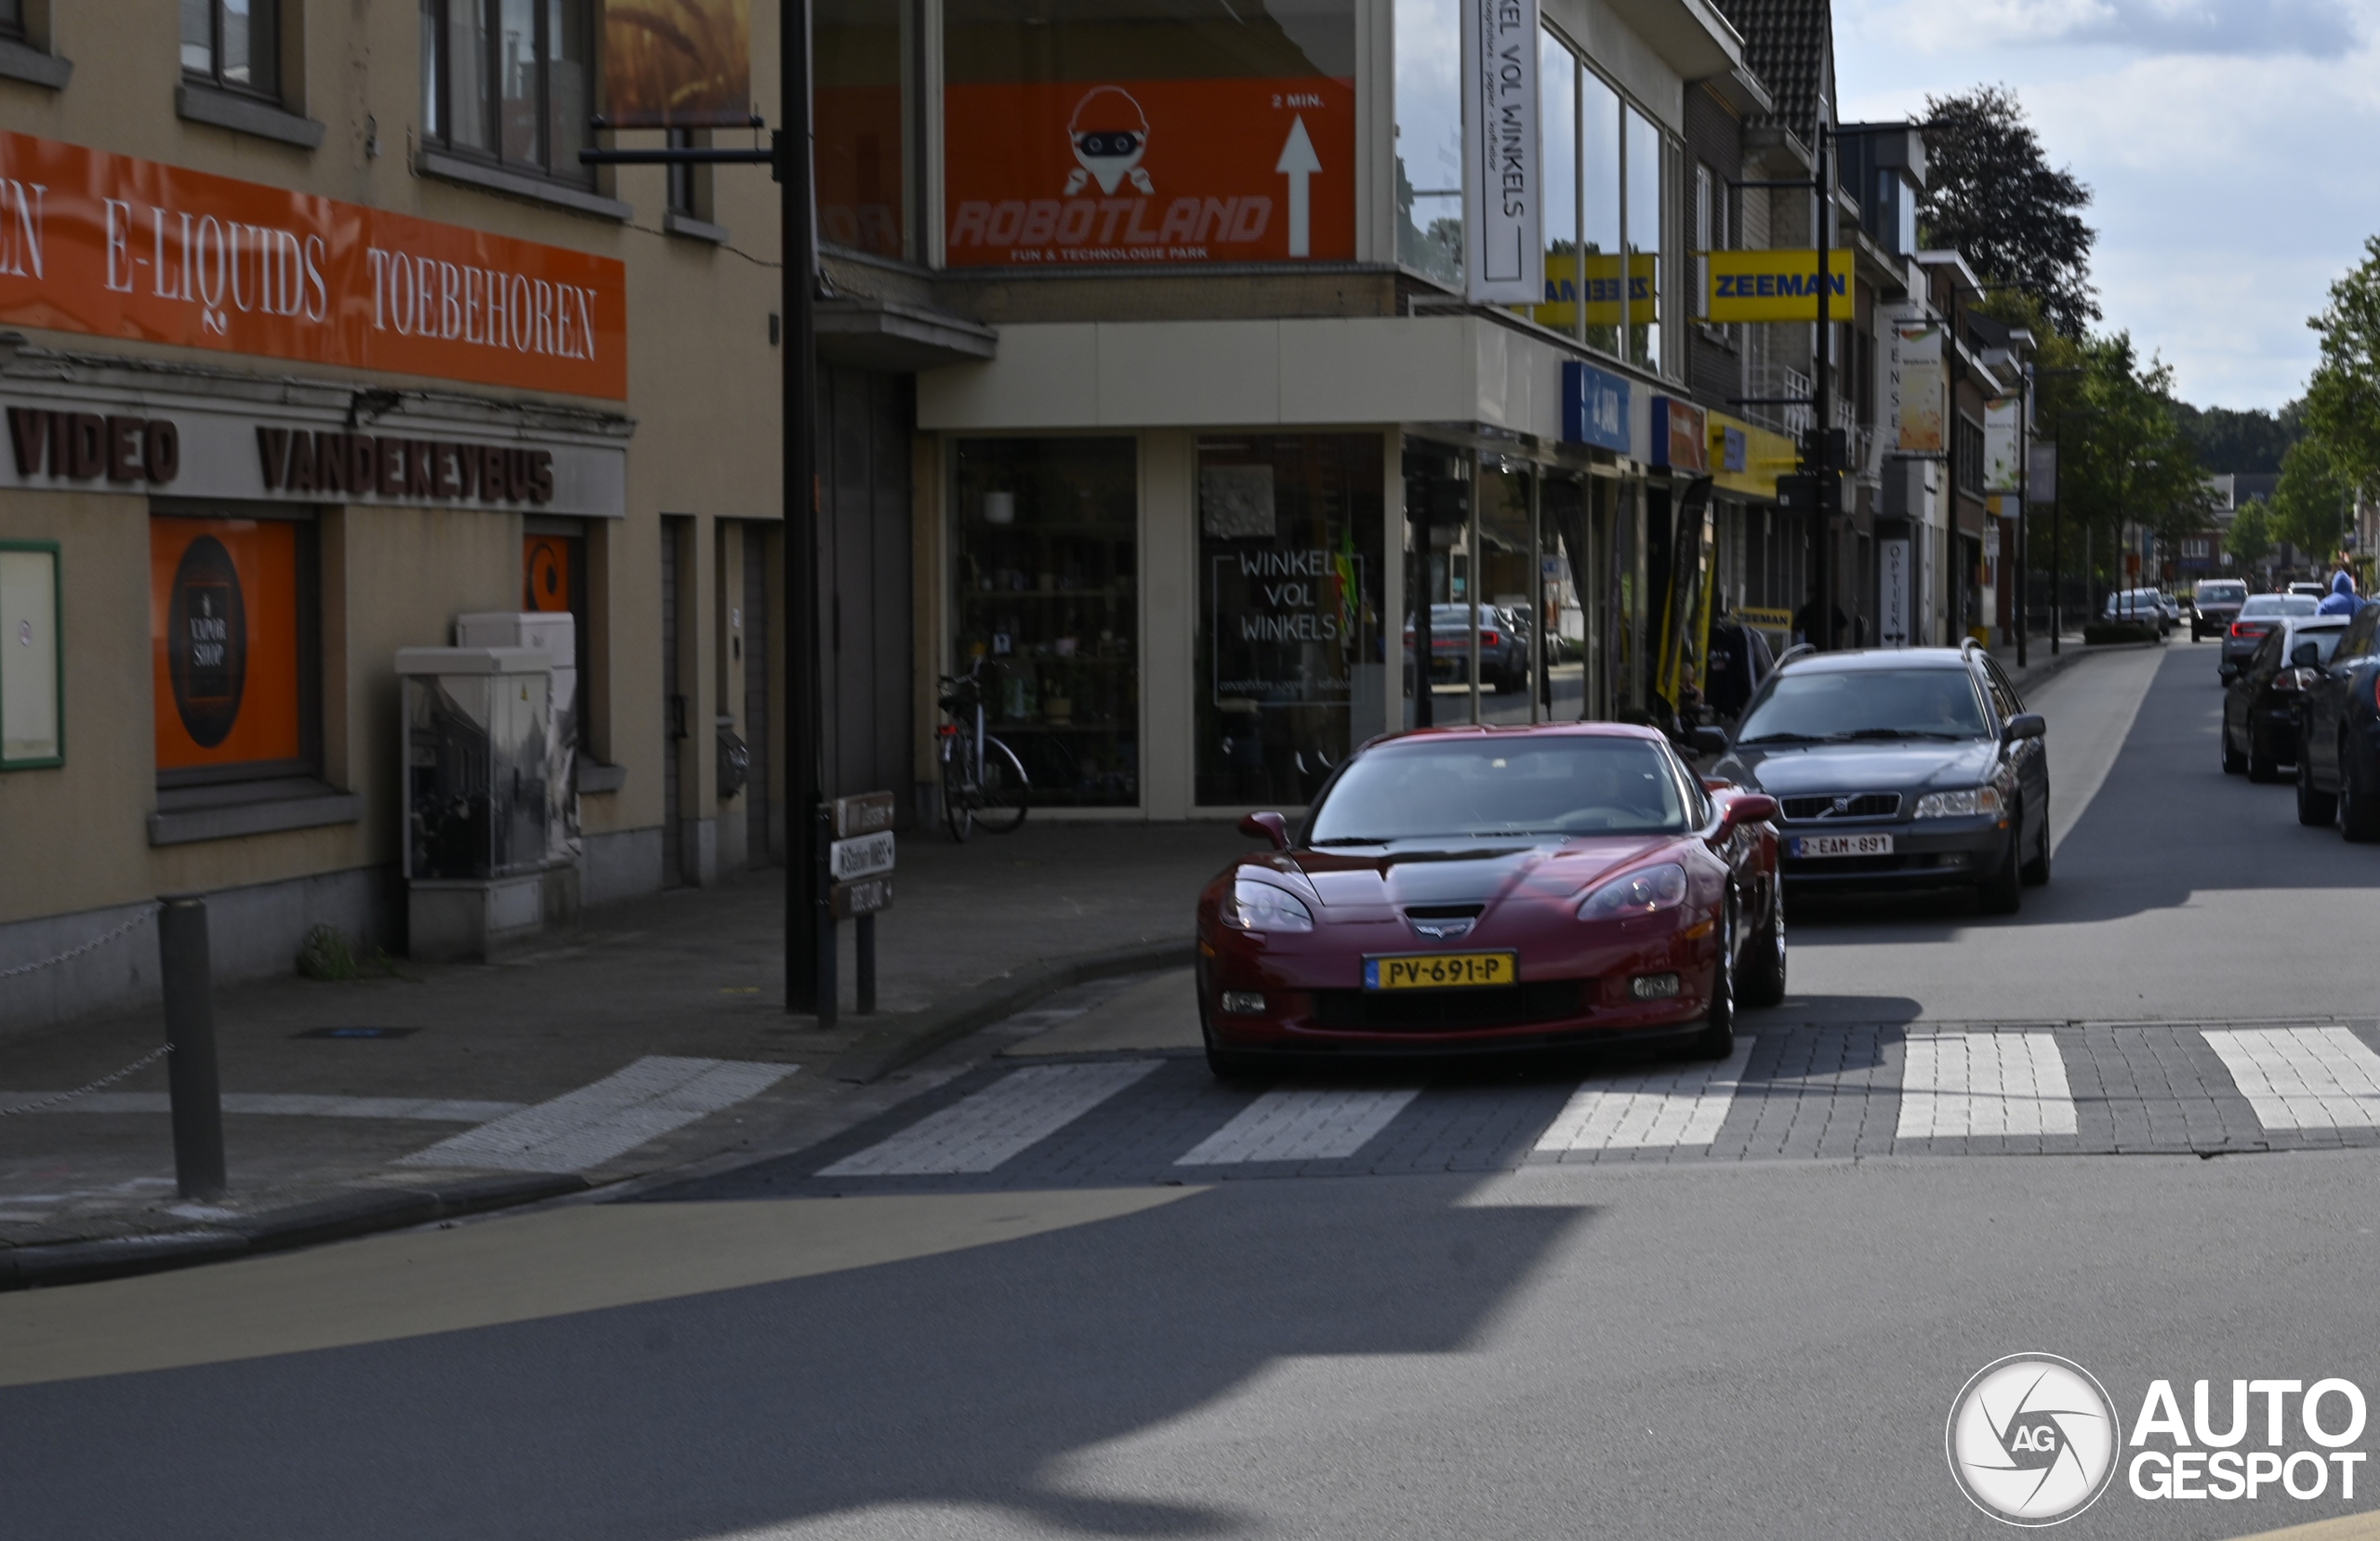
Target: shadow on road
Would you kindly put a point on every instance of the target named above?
(966, 1383)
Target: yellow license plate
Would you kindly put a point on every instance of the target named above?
(1440, 970)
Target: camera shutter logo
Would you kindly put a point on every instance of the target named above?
(2032, 1439)
(207, 642)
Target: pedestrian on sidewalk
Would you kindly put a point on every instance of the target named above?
(1739, 661)
(2341, 600)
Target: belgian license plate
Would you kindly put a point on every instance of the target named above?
(1440, 970)
(1843, 845)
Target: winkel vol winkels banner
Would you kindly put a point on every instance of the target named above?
(1211, 170)
(112, 246)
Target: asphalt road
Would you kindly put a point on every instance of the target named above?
(1520, 1347)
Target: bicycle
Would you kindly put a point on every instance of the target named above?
(982, 782)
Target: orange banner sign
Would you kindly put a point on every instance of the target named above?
(118, 247)
(1221, 170)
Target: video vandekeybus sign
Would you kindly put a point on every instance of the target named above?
(1211, 170)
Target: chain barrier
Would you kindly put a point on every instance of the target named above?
(71, 953)
(149, 1058)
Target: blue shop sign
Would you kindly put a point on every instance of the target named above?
(1595, 407)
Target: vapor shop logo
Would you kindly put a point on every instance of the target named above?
(207, 638)
(2033, 1439)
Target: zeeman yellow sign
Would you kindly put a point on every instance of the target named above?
(1596, 276)
(1777, 285)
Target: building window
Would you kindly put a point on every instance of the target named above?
(232, 629)
(1970, 449)
(508, 80)
(1292, 653)
(12, 20)
(689, 185)
(233, 43)
(860, 54)
(1643, 156)
(1048, 581)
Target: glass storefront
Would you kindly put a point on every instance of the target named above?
(1046, 580)
(861, 47)
(1291, 646)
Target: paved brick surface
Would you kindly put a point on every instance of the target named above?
(1974, 1089)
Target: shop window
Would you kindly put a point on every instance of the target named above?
(1082, 131)
(1048, 594)
(1429, 139)
(233, 43)
(860, 50)
(508, 80)
(1559, 101)
(232, 623)
(1646, 184)
(1504, 614)
(32, 669)
(1292, 653)
(553, 581)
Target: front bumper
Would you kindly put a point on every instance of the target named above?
(1573, 990)
(1930, 853)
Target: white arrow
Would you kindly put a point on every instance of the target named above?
(1299, 162)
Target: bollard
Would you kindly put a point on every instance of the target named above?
(863, 940)
(188, 973)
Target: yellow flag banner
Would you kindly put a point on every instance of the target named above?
(1776, 286)
(1596, 276)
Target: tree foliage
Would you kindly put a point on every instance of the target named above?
(2313, 503)
(2342, 398)
(2251, 537)
(2123, 456)
(2252, 442)
(1993, 196)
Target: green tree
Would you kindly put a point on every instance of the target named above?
(2313, 503)
(2249, 541)
(1993, 196)
(2343, 398)
(2124, 459)
(2253, 441)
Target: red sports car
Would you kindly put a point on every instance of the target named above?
(1467, 889)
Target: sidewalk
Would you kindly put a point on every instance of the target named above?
(454, 1087)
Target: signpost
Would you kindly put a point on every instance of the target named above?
(859, 865)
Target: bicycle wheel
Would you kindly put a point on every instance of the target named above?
(1001, 799)
(957, 791)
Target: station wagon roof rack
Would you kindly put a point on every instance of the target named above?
(1796, 650)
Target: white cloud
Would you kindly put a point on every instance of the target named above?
(2224, 205)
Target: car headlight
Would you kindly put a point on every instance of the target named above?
(1262, 907)
(1639, 892)
(1966, 803)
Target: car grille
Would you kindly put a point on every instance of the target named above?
(1867, 805)
(1445, 1010)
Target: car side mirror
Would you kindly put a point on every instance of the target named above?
(1747, 808)
(2305, 655)
(1267, 826)
(1709, 741)
(2025, 725)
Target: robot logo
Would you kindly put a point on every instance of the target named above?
(1109, 134)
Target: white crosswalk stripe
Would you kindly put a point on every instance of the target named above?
(1958, 1083)
(1300, 1126)
(1658, 1108)
(979, 1132)
(2303, 1077)
(607, 1118)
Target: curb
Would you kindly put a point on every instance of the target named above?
(356, 1214)
(899, 1040)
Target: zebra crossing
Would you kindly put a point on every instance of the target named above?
(1811, 1091)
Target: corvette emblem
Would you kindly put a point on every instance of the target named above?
(1443, 930)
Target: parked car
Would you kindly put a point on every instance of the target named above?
(2259, 615)
(2338, 759)
(2307, 585)
(1465, 888)
(2173, 609)
(2260, 707)
(1503, 645)
(2214, 604)
(1904, 769)
(2139, 604)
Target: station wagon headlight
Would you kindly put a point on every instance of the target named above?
(1966, 803)
(1639, 892)
(1262, 907)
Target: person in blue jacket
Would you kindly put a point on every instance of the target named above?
(2341, 600)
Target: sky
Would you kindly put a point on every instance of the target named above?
(2227, 144)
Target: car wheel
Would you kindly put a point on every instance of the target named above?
(2262, 767)
(2036, 872)
(1717, 1039)
(1223, 1063)
(2316, 809)
(1764, 981)
(2359, 810)
(2003, 892)
(2233, 761)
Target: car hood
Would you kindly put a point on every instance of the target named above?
(1784, 770)
(1416, 872)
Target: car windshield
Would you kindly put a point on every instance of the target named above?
(1472, 787)
(1813, 705)
(2279, 605)
(2221, 594)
